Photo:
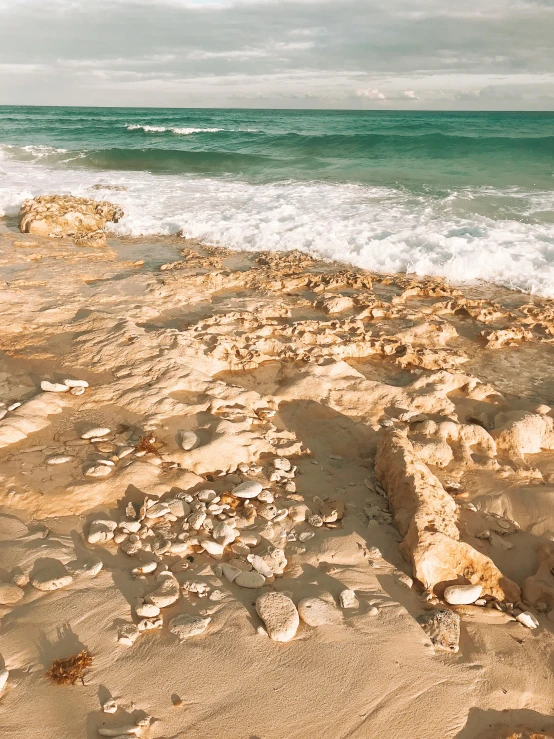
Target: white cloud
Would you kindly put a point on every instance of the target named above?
(345, 53)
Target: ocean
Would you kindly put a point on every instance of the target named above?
(468, 196)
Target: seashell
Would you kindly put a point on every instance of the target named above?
(53, 387)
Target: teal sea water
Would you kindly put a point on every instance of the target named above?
(466, 195)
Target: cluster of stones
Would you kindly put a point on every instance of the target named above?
(246, 530)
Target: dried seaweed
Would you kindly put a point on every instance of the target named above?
(67, 671)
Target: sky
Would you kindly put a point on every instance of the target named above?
(360, 54)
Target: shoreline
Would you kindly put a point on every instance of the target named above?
(269, 356)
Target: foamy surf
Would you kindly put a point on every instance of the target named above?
(175, 129)
(377, 228)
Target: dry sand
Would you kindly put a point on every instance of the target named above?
(264, 357)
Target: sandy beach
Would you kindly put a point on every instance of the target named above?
(243, 481)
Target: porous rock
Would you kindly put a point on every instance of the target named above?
(279, 615)
(427, 518)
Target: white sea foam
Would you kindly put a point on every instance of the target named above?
(381, 229)
(175, 130)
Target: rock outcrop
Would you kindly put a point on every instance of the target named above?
(427, 517)
(64, 215)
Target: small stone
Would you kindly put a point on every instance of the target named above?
(77, 390)
(101, 531)
(332, 510)
(348, 599)
(110, 706)
(75, 383)
(13, 406)
(266, 496)
(167, 591)
(373, 611)
(53, 387)
(48, 581)
(128, 634)
(230, 572)
(527, 619)
(248, 489)
(59, 459)
(442, 626)
(90, 567)
(157, 510)
(267, 511)
(248, 579)
(188, 440)
(306, 536)
(185, 626)
(10, 594)
(279, 615)
(196, 519)
(96, 432)
(178, 507)
(282, 463)
(457, 595)
(315, 520)
(99, 470)
(318, 612)
(212, 547)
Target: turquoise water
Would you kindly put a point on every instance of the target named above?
(466, 195)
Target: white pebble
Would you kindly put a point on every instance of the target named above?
(527, 619)
(53, 387)
(75, 383)
(188, 440)
(96, 432)
(249, 579)
(59, 459)
(109, 706)
(248, 489)
(13, 406)
(458, 595)
(98, 470)
(348, 599)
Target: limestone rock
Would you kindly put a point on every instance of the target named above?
(279, 615)
(65, 215)
(318, 612)
(348, 599)
(427, 518)
(167, 591)
(249, 579)
(443, 628)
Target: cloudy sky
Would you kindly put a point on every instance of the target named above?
(474, 54)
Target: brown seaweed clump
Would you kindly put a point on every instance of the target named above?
(67, 671)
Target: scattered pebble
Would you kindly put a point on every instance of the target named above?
(76, 383)
(59, 459)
